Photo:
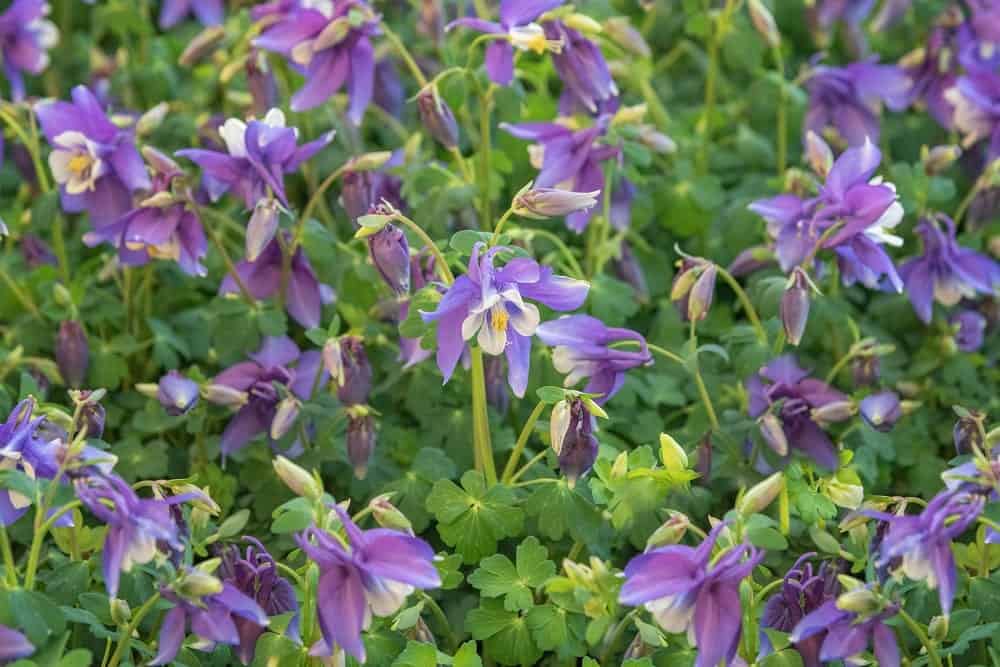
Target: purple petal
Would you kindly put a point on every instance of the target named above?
(342, 607)
(171, 636)
(519, 12)
(885, 646)
(717, 624)
(362, 78)
(518, 361)
(243, 427)
(556, 292)
(659, 573)
(500, 62)
(276, 351)
(855, 165)
(326, 74)
(389, 554)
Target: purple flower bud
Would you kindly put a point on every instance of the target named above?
(260, 81)
(834, 411)
(751, 260)
(72, 353)
(390, 253)
(553, 202)
(90, 418)
(700, 296)
(177, 394)
(968, 433)
(360, 442)
(573, 439)
(704, 462)
(36, 252)
(627, 269)
(262, 228)
(357, 372)
(773, 433)
(497, 393)
(437, 117)
(866, 370)
(818, 154)
(881, 411)
(624, 34)
(970, 328)
(795, 307)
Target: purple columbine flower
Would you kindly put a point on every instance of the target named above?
(866, 209)
(160, 227)
(934, 69)
(685, 593)
(254, 573)
(581, 66)
(304, 298)
(26, 36)
(215, 616)
(922, 542)
(370, 577)
(323, 41)
(177, 394)
(94, 161)
(360, 439)
(72, 353)
(802, 592)
(271, 365)
(25, 448)
(137, 527)
(208, 12)
(847, 99)
(788, 390)
(946, 272)
(13, 645)
(881, 411)
(488, 303)
(519, 30)
(970, 329)
(570, 160)
(848, 633)
(573, 441)
(258, 155)
(976, 98)
(583, 349)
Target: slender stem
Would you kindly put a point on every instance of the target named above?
(527, 466)
(571, 261)
(485, 155)
(10, 567)
(35, 149)
(709, 107)
(745, 302)
(782, 129)
(440, 262)
(918, 632)
(463, 166)
(616, 636)
(23, 297)
(315, 199)
(220, 246)
(290, 572)
(404, 53)
(442, 618)
(59, 247)
(970, 196)
(480, 418)
(35, 552)
(522, 440)
(705, 398)
(499, 228)
(839, 366)
(126, 638)
(664, 353)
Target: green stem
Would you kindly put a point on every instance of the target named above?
(499, 228)
(522, 440)
(695, 368)
(126, 639)
(10, 567)
(440, 262)
(963, 206)
(480, 418)
(485, 153)
(839, 366)
(404, 53)
(220, 246)
(23, 297)
(314, 200)
(291, 573)
(442, 619)
(665, 353)
(527, 466)
(59, 247)
(918, 632)
(571, 261)
(745, 302)
(41, 530)
(616, 635)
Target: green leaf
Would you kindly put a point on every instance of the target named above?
(35, 615)
(768, 538)
(507, 637)
(417, 654)
(81, 657)
(234, 524)
(498, 576)
(472, 519)
(467, 656)
(551, 394)
(556, 629)
(787, 658)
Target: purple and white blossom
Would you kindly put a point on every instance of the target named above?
(881, 411)
(581, 66)
(26, 36)
(848, 633)
(177, 394)
(572, 438)
(24, 447)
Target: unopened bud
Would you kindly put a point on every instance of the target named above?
(582, 23)
(773, 433)
(818, 154)
(222, 394)
(577, 446)
(620, 467)
(176, 393)
(701, 294)
(623, 33)
(370, 161)
(437, 118)
(297, 479)
(672, 455)
(938, 159)
(657, 141)
(672, 531)
(541, 203)
(761, 494)
(262, 227)
(160, 161)
(203, 44)
(197, 584)
(72, 353)
(390, 253)
(284, 417)
(152, 119)
(835, 411)
(763, 23)
(357, 384)
(333, 361)
(121, 612)
(881, 411)
(795, 307)
(360, 442)
(859, 601)
(937, 629)
(388, 515)
(631, 115)
(843, 494)
(968, 433)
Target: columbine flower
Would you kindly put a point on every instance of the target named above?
(269, 366)
(330, 44)
(354, 376)
(847, 99)
(970, 329)
(788, 390)
(933, 70)
(94, 161)
(208, 12)
(581, 66)
(13, 645)
(371, 575)
(255, 574)
(923, 541)
(26, 36)
(801, 593)
(137, 527)
(72, 353)
(583, 349)
(570, 160)
(488, 303)
(572, 438)
(517, 24)
(881, 411)
(437, 117)
(23, 447)
(258, 155)
(216, 611)
(685, 593)
(360, 439)
(390, 253)
(160, 227)
(977, 108)
(946, 272)
(848, 633)
(177, 394)
(304, 297)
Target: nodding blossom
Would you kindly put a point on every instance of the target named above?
(27, 36)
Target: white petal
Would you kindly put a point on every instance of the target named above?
(275, 118)
(386, 597)
(493, 340)
(471, 324)
(559, 424)
(233, 132)
(526, 320)
(72, 139)
(59, 164)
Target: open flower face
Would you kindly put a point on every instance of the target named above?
(76, 162)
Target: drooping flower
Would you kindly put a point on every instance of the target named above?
(847, 99)
(581, 66)
(13, 645)
(177, 394)
(304, 297)
(370, 576)
(802, 592)
(329, 43)
(543, 203)
(390, 253)
(277, 362)
(254, 573)
(686, 593)
(934, 69)
(849, 633)
(519, 29)
(881, 411)
(208, 12)
(787, 390)
(976, 99)
(35, 252)
(922, 541)
(217, 612)
(970, 329)
(946, 272)
(572, 438)
(258, 155)
(826, 14)
(137, 527)
(95, 162)
(583, 349)
(26, 35)
(24, 447)
(354, 377)
(72, 353)
(488, 303)
(160, 227)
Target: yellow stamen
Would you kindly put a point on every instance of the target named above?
(498, 318)
(80, 163)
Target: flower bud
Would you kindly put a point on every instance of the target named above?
(121, 613)
(970, 329)
(370, 161)
(773, 433)
(937, 629)
(390, 253)
(620, 467)
(938, 159)
(160, 162)
(221, 394)
(360, 442)
(177, 394)
(357, 372)
(623, 33)
(261, 83)
(437, 118)
(152, 119)
(297, 479)
(795, 307)
(262, 227)
(672, 455)
(763, 23)
(90, 419)
(968, 433)
(388, 515)
(197, 584)
(761, 495)
(860, 601)
(657, 141)
(202, 45)
(541, 203)
(843, 494)
(684, 280)
(835, 411)
(582, 23)
(751, 260)
(284, 417)
(881, 411)
(578, 449)
(700, 296)
(72, 353)
(559, 424)
(818, 154)
(866, 370)
(670, 532)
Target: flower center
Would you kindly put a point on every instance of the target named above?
(80, 163)
(499, 318)
(531, 37)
